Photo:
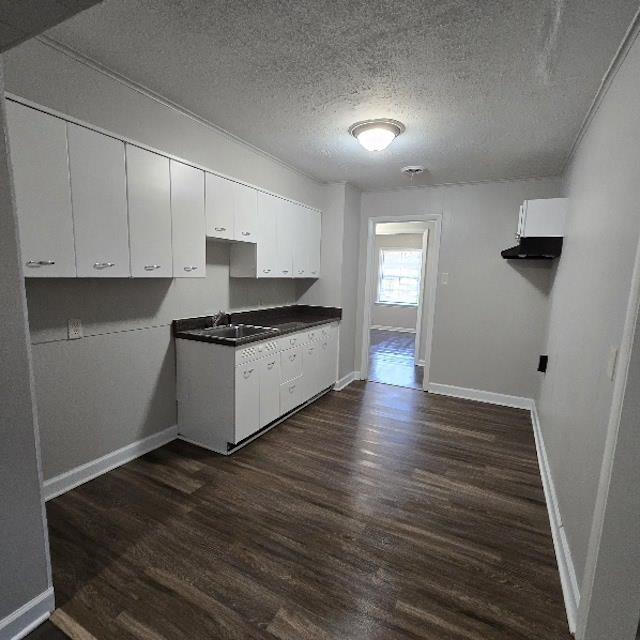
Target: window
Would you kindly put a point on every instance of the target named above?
(399, 276)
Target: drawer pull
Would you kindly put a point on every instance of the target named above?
(103, 265)
(151, 267)
(270, 365)
(285, 271)
(247, 373)
(246, 233)
(266, 271)
(292, 388)
(301, 271)
(292, 357)
(293, 340)
(34, 264)
(219, 228)
(191, 268)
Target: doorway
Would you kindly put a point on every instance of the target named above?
(399, 299)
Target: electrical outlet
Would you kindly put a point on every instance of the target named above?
(74, 328)
(444, 278)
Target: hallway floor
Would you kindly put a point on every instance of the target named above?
(375, 513)
(391, 359)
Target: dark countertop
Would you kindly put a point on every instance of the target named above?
(287, 319)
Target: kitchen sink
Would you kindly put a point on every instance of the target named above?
(233, 332)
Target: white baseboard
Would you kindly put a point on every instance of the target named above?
(568, 580)
(29, 616)
(489, 397)
(345, 381)
(381, 327)
(85, 472)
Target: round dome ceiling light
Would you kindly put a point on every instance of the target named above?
(412, 170)
(376, 135)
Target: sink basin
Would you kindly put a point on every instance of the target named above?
(233, 332)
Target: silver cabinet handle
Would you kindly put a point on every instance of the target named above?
(293, 340)
(313, 273)
(266, 271)
(34, 264)
(191, 268)
(219, 228)
(246, 233)
(292, 357)
(270, 365)
(292, 388)
(103, 265)
(151, 267)
(247, 373)
(285, 271)
(300, 270)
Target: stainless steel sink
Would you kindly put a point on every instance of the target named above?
(234, 332)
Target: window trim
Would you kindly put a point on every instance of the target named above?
(377, 300)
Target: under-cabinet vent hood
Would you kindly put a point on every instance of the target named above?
(534, 248)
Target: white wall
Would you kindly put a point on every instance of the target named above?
(24, 570)
(491, 316)
(392, 315)
(589, 299)
(126, 360)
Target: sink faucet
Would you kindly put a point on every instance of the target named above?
(219, 318)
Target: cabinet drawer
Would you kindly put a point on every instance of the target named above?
(290, 395)
(291, 364)
(290, 340)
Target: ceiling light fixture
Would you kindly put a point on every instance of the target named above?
(376, 135)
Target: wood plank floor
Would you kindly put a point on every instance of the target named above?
(391, 359)
(377, 513)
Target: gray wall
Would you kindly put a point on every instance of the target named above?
(491, 316)
(116, 385)
(24, 572)
(389, 315)
(350, 250)
(589, 300)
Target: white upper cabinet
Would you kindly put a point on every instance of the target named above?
(188, 221)
(43, 193)
(220, 207)
(306, 253)
(267, 245)
(286, 239)
(542, 218)
(246, 213)
(148, 190)
(313, 236)
(98, 185)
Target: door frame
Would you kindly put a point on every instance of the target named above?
(431, 257)
(420, 310)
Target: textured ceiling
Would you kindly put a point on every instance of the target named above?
(488, 89)
(22, 19)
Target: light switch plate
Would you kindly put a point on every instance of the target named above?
(74, 328)
(444, 278)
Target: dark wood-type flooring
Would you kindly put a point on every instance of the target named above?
(391, 359)
(376, 513)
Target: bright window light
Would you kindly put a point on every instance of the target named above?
(399, 274)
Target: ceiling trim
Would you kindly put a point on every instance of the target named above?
(627, 42)
(166, 102)
(469, 183)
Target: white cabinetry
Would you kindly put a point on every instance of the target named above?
(43, 192)
(148, 191)
(232, 210)
(98, 185)
(306, 252)
(187, 221)
(225, 395)
(542, 218)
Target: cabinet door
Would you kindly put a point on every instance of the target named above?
(246, 213)
(314, 232)
(247, 414)
(285, 239)
(187, 221)
(148, 189)
(98, 186)
(312, 372)
(328, 360)
(301, 229)
(219, 206)
(269, 389)
(43, 193)
(267, 245)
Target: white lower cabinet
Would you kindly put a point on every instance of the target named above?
(247, 400)
(226, 395)
(269, 389)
